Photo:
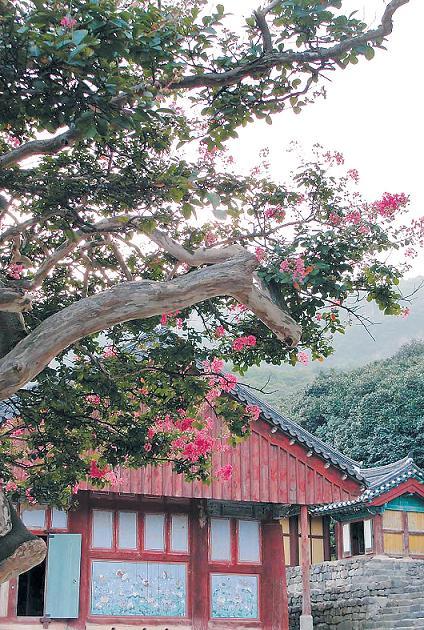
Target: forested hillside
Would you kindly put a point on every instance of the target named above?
(374, 414)
(354, 349)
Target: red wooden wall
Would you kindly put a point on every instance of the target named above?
(266, 468)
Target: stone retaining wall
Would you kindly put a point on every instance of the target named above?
(361, 592)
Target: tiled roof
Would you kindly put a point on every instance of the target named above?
(379, 480)
(294, 430)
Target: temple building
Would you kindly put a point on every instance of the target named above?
(157, 552)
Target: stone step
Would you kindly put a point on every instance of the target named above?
(400, 616)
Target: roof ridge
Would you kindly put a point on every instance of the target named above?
(296, 430)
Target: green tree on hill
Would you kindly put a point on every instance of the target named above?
(374, 414)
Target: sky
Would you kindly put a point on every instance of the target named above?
(373, 113)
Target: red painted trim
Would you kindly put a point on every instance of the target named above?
(411, 485)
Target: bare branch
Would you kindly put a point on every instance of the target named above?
(138, 300)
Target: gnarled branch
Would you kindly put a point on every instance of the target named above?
(138, 300)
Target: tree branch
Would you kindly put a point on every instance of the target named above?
(13, 301)
(138, 300)
(262, 64)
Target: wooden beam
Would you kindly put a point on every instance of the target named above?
(199, 570)
(306, 568)
(378, 535)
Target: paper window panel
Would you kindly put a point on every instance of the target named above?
(368, 534)
(59, 519)
(416, 521)
(392, 519)
(416, 544)
(393, 543)
(285, 525)
(248, 541)
(127, 530)
(286, 541)
(102, 529)
(154, 530)
(34, 518)
(317, 527)
(317, 550)
(220, 539)
(346, 538)
(179, 533)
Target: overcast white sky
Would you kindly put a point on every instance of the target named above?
(373, 113)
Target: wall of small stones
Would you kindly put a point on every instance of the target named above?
(359, 593)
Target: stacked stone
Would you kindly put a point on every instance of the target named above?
(361, 593)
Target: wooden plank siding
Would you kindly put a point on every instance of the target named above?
(267, 467)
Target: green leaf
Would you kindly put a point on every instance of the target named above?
(214, 199)
(78, 36)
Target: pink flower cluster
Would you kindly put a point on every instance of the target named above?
(15, 271)
(68, 22)
(224, 473)
(93, 399)
(405, 312)
(219, 382)
(390, 203)
(334, 157)
(260, 254)
(275, 212)
(253, 411)
(165, 316)
(219, 332)
(353, 174)
(210, 239)
(242, 342)
(302, 357)
(13, 141)
(109, 352)
(296, 267)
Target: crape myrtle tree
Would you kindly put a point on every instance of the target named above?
(135, 260)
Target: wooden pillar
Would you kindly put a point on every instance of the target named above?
(199, 583)
(378, 535)
(405, 533)
(338, 531)
(306, 617)
(275, 610)
(79, 521)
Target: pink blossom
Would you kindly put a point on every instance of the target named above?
(109, 352)
(410, 252)
(224, 473)
(241, 342)
(147, 447)
(213, 394)
(302, 357)
(15, 270)
(260, 254)
(251, 340)
(28, 494)
(217, 365)
(405, 312)
(275, 212)
(68, 22)
(318, 317)
(390, 203)
(210, 239)
(253, 411)
(13, 141)
(93, 399)
(364, 229)
(179, 322)
(96, 472)
(353, 174)
(334, 157)
(354, 216)
(219, 332)
(75, 488)
(228, 382)
(18, 432)
(164, 319)
(334, 219)
(11, 486)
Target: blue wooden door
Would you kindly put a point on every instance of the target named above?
(63, 576)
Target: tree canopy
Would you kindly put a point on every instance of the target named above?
(373, 414)
(122, 211)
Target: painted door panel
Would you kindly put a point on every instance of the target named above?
(63, 576)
